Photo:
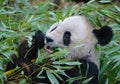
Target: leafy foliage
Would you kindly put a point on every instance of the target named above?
(19, 18)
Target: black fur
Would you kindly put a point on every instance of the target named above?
(57, 2)
(48, 39)
(12, 64)
(39, 39)
(87, 70)
(26, 53)
(91, 69)
(66, 38)
(104, 35)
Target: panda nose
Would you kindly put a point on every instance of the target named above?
(48, 39)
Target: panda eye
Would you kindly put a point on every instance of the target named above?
(53, 29)
(66, 38)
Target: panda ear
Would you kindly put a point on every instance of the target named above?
(104, 35)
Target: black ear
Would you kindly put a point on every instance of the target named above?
(104, 35)
(66, 38)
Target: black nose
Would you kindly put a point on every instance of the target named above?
(48, 39)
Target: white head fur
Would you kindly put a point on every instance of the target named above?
(81, 35)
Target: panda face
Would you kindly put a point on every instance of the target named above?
(72, 31)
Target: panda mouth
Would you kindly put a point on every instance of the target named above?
(49, 49)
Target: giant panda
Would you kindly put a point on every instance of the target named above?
(74, 33)
(81, 38)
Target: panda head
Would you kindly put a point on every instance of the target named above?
(74, 31)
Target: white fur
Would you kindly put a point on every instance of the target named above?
(81, 34)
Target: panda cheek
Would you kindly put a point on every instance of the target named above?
(66, 38)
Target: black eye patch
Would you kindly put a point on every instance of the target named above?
(66, 38)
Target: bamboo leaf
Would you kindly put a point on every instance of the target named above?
(114, 49)
(117, 8)
(52, 78)
(87, 80)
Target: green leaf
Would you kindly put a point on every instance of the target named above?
(105, 1)
(112, 50)
(72, 79)
(31, 19)
(87, 80)
(67, 13)
(117, 8)
(98, 22)
(103, 68)
(39, 74)
(61, 61)
(73, 63)
(106, 82)
(52, 78)
(57, 75)
(23, 81)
